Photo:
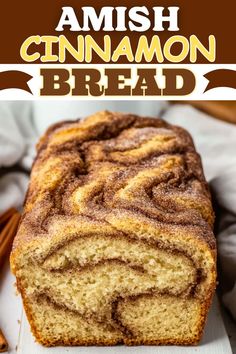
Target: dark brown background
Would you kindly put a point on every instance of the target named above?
(21, 19)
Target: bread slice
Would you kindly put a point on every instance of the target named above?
(115, 243)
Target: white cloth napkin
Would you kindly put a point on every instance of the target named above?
(216, 142)
(17, 140)
(49, 112)
(12, 190)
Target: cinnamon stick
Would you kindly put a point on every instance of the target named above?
(223, 110)
(7, 235)
(9, 221)
(3, 343)
(6, 216)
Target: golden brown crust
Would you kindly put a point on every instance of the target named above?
(72, 153)
(109, 168)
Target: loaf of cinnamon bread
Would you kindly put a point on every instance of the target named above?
(115, 243)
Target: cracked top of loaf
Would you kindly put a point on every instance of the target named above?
(100, 172)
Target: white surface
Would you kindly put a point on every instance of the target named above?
(21, 341)
(10, 308)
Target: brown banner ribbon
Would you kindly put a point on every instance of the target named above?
(221, 78)
(15, 79)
